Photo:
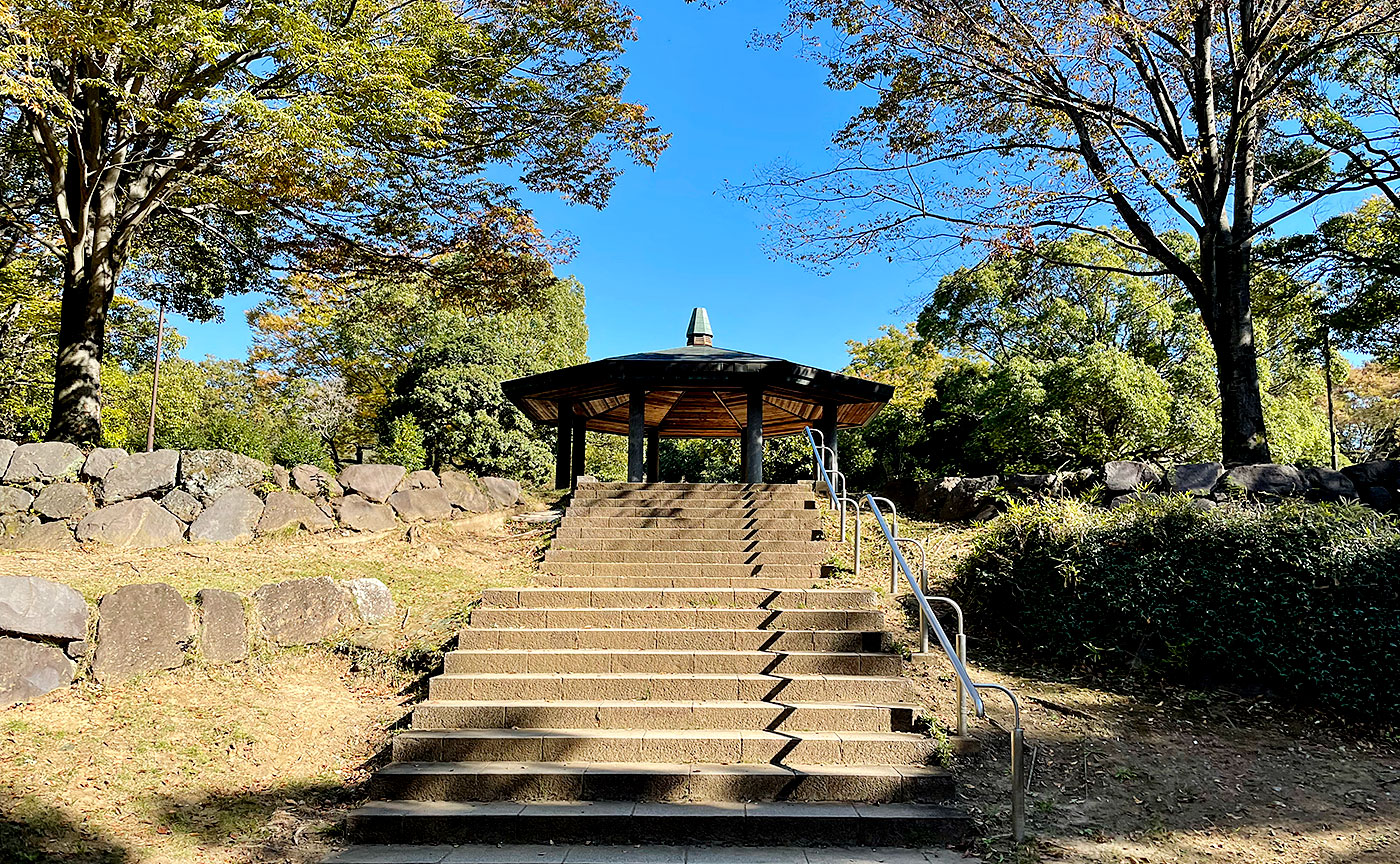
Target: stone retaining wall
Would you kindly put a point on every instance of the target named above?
(974, 499)
(54, 496)
(49, 636)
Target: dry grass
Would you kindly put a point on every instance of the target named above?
(251, 762)
(1131, 771)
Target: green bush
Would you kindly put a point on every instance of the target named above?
(1302, 599)
(403, 445)
(298, 445)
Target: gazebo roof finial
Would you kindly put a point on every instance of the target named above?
(699, 332)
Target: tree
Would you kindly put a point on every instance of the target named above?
(452, 385)
(1022, 120)
(338, 137)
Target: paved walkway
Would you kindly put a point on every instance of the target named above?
(641, 855)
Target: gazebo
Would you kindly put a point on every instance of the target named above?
(695, 391)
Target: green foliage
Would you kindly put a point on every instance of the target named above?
(1300, 599)
(452, 384)
(1062, 359)
(700, 460)
(342, 138)
(298, 445)
(403, 445)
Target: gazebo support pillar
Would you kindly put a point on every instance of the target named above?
(563, 446)
(636, 436)
(580, 451)
(827, 426)
(653, 455)
(753, 438)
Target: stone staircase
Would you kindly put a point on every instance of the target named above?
(678, 675)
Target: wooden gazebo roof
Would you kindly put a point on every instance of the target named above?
(698, 391)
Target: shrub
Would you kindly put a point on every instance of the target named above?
(1300, 599)
(403, 445)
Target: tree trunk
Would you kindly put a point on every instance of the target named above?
(1243, 440)
(88, 285)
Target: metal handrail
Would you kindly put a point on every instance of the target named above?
(1018, 789)
(955, 652)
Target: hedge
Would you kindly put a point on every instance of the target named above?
(1301, 600)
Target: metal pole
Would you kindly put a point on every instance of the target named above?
(1327, 374)
(1018, 783)
(962, 694)
(155, 379)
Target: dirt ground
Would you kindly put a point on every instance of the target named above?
(1134, 773)
(251, 762)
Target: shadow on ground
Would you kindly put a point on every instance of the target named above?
(35, 833)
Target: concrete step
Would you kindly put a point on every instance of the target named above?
(630, 822)
(648, 639)
(680, 619)
(695, 509)
(569, 532)
(699, 686)
(593, 853)
(576, 568)
(682, 545)
(678, 598)
(757, 556)
(604, 660)
(657, 781)
(558, 580)
(596, 713)
(694, 520)
(619, 487)
(721, 746)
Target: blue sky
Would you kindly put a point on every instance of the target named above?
(670, 239)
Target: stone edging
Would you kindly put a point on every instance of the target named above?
(48, 633)
(55, 497)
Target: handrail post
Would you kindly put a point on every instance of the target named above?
(1018, 783)
(1018, 764)
(962, 695)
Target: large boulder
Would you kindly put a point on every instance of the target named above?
(28, 670)
(1197, 478)
(140, 629)
(1385, 472)
(1120, 476)
(64, 501)
(424, 479)
(1132, 498)
(223, 626)
(207, 474)
(283, 510)
(44, 462)
(969, 499)
(375, 482)
(357, 514)
(1324, 484)
(421, 505)
(39, 536)
(506, 493)
(1033, 485)
(141, 474)
(182, 505)
(465, 492)
(14, 499)
(7, 449)
(31, 606)
(930, 497)
(303, 611)
(232, 518)
(315, 482)
(100, 461)
(140, 523)
(1281, 480)
(372, 599)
